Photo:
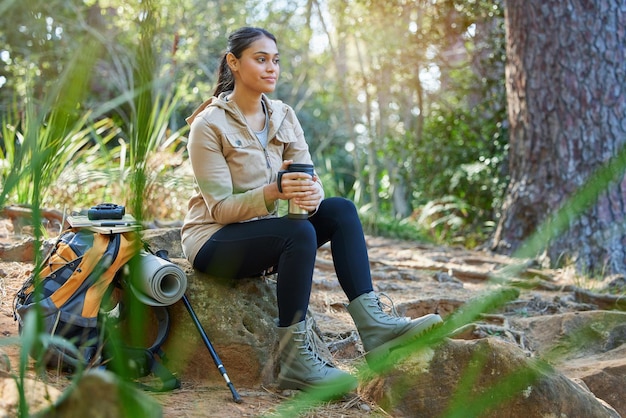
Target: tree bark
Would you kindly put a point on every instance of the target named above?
(566, 90)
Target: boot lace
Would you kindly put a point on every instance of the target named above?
(309, 348)
(384, 307)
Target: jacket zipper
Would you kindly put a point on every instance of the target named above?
(267, 158)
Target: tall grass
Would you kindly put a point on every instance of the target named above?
(47, 140)
(39, 145)
(43, 141)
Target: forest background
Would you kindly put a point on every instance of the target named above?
(403, 103)
(496, 124)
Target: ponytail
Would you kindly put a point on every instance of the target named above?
(225, 79)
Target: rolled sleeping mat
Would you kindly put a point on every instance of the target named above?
(160, 282)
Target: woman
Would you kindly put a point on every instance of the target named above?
(239, 140)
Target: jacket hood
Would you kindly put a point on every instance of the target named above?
(230, 107)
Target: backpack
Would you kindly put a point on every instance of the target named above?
(75, 282)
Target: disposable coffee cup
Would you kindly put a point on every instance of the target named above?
(294, 211)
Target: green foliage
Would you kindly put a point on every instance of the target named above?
(464, 162)
(394, 228)
(37, 37)
(9, 152)
(443, 218)
(464, 148)
(41, 143)
(141, 128)
(423, 145)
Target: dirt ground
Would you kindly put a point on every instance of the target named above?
(193, 399)
(404, 270)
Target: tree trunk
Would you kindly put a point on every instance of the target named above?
(566, 90)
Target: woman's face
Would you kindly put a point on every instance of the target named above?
(257, 69)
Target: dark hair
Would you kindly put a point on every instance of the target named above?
(238, 41)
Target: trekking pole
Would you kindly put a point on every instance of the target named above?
(207, 342)
(205, 338)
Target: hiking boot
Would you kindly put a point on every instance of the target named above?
(302, 367)
(381, 332)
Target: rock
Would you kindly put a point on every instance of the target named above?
(101, 394)
(573, 334)
(487, 378)
(38, 395)
(22, 251)
(584, 345)
(164, 239)
(604, 376)
(617, 284)
(238, 317)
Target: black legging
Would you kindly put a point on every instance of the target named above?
(246, 249)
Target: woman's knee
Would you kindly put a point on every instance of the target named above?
(338, 207)
(302, 234)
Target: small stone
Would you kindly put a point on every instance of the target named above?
(365, 407)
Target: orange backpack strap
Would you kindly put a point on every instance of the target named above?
(88, 264)
(126, 245)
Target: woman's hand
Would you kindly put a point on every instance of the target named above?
(303, 188)
(308, 192)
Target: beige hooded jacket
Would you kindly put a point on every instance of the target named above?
(231, 167)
